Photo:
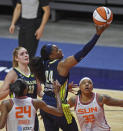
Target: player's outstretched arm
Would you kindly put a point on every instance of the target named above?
(112, 101)
(50, 109)
(39, 104)
(71, 61)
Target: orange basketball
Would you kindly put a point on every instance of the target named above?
(102, 16)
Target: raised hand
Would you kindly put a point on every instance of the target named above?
(56, 86)
(100, 29)
(72, 86)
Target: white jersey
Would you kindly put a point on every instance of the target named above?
(91, 115)
(22, 115)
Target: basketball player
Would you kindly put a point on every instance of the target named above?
(89, 107)
(22, 70)
(19, 113)
(51, 66)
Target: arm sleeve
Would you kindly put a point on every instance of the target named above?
(87, 48)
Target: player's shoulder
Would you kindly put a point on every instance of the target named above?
(5, 102)
(100, 98)
(11, 73)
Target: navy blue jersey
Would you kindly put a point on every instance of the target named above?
(52, 74)
(32, 86)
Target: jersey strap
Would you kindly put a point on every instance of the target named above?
(63, 91)
(67, 113)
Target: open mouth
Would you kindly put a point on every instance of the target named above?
(26, 59)
(87, 88)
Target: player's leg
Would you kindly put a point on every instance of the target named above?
(49, 121)
(36, 127)
(68, 127)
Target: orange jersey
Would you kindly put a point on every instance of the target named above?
(22, 115)
(91, 115)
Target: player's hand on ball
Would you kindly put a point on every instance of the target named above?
(102, 18)
(100, 29)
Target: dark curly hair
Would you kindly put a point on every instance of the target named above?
(18, 87)
(37, 68)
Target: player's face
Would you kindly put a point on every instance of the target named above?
(86, 86)
(56, 52)
(23, 56)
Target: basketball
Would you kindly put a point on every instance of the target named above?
(102, 16)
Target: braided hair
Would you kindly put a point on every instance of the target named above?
(18, 87)
(37, 63)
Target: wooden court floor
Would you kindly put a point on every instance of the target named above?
(114, 115)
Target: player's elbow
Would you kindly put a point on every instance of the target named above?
(48, 9)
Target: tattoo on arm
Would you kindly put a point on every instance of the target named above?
(100, 100)
(112, 101)
(72, 101)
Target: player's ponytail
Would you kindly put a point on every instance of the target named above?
(37, 63)
(37, 68)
